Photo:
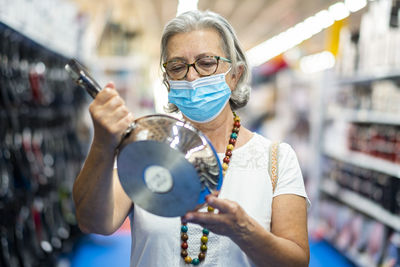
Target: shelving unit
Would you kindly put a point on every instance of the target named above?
(360, 204)
(366, 79)
(359, 192)
(363, 116)
(364, 161)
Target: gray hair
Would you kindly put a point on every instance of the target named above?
(195, 20)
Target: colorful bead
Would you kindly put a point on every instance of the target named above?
(229, 147)
(237, 124)
(205, 231)
(203, 247)
(204, 239)
(188, 259)
(210, 209)
(237, 118)
(184, 253)
(184, 228)
(184, 245)
(224, 166)
(184, 236)
(232, 141)
(235, 130)
(234, 135)
(202, 256)
(226, 160)
(228, 153)
(195, 261)
(223, 173)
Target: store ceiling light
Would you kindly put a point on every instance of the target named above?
(302, 31)
(339, 11)
(186, 5)
(317, 62)
(355, 5)
(324, 18)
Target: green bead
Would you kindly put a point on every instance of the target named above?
(234, 135)
(205, 231)
(203, 247)
(184, 229)
(195, 261)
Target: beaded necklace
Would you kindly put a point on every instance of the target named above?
(184, 228)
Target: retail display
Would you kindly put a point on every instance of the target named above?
(360, 176)
(377, 140)
(41, 152)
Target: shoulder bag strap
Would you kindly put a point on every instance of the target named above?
(273, 164)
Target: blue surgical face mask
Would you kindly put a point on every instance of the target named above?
(201, 100)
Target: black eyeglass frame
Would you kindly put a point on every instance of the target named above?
(218, 58)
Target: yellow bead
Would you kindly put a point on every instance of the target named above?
(204, 239)
(223, 173)
(237, 118)
(210, 209)
(188, 259)
(229, 147)
(203, 248)
(224, 166)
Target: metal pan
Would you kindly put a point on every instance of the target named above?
(165, 165)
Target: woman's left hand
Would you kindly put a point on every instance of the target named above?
(231, 220)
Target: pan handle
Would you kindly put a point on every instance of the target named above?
(82, 77)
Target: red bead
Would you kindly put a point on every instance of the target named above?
(184, 245)
(228, 153)
(184, 237)
(235, 130)
(237, 124)
(226, 160)
(232, 141)
(184, 253)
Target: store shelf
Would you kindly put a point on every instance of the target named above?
(364, 161)
(363, 116)
(394, 75)
(360, 203)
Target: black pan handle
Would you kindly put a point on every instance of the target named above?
(82, 77)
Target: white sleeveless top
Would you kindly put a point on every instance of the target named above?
(156, 240)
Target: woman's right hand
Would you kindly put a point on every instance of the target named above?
(110, 118)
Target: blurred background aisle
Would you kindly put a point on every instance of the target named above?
(325, 79)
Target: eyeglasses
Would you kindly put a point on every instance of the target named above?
(205, 66)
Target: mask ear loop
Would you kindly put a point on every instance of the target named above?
(230, 68)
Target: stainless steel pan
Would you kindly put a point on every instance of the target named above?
(165, 165)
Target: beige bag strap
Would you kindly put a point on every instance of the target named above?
(273, 164)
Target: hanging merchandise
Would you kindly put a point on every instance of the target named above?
(41, 152)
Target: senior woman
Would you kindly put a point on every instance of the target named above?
(206, 74)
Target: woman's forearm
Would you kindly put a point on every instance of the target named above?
(267, 249)
(93, 192)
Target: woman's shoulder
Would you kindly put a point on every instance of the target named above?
(266, 142)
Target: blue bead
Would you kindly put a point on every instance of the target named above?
(234, 135)
(184, 229)
(195, 261)
(205, 231)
